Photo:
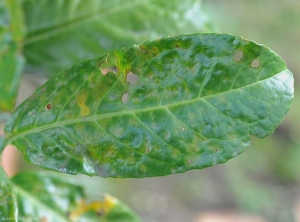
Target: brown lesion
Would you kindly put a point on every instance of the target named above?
(49, 106)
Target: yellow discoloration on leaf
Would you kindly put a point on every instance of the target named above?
(84, 109)
(100, 207)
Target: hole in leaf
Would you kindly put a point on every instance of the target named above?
(255, 63)
(49, 106)
(238, 56)
(106, 67)
(125, 97)
(131, 78)
(103, 70)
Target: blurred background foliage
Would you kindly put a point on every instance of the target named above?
(264, 181)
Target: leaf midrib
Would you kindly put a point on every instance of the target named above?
(126, 112)
(41, 34)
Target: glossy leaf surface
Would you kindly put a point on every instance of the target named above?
(11, 61)
(48, 197)
(3, 118)
(8, 204)
(175, 104)
(2, 143)
(79, 30)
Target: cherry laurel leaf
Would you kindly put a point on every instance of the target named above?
(170, 105)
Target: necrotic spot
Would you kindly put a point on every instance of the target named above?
(238, 56)
(255, 63)
(125, 97)
(49, 106)
(131, 78)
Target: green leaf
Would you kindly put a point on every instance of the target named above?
(64, 32)
(175, 104)
(11, 61)
(49, 197)
(3, 118)
(2, 143)
(8, 204)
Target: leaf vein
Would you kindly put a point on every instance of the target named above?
(168, 111)
(154, 134)
(213, 63)
(173, 73)
(117, 139)
(123, 112)
(219, 111)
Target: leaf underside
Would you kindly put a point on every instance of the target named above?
(175, 104)
(80, 30)
(48, 197)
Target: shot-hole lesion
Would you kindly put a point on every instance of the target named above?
(105, 66)
(255, 63)
(238, 55)
(131, 77)
(125, 97)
